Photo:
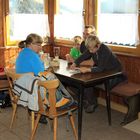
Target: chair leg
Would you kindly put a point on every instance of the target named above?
(73, 126)
(13, 114)
(32, 120)
(35, 126)
(67, 121)
(55, 128)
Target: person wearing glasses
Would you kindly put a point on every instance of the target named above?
(88, 29)
(28, 59)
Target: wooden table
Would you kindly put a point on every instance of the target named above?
(81, 81)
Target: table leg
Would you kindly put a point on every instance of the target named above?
(80, 110)
(108, 101)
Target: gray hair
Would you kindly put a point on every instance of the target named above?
(92, 40)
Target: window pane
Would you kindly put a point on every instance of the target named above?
(118, 6)
(118, 21)
(27, 16)
(68, 20)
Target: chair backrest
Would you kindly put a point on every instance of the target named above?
(11, 77)
(50, 87)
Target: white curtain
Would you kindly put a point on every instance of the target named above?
(118, 22)
(68, 21)
(24, 24)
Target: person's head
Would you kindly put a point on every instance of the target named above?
(33, 41)
(92, 43)
(88, 29)
(77, 41)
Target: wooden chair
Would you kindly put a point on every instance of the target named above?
(51, 112)
(12, 76)
(130, 92)
(4, 85)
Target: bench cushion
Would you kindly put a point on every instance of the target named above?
(126, 89)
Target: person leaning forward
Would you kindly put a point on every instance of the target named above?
(104, 59)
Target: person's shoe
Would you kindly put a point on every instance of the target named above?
(43, 120)
(91, 108)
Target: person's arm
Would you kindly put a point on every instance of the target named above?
(84, 69)
(37, 65)
(69, 58)
(88, 62)
(83, 57)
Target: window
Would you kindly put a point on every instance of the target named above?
(117, 21)
(25, 17)
(68, 20)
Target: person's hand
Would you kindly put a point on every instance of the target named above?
(73, 66)
(42, 56)
(69, 58)
(84, 69)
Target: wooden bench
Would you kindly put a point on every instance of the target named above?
(130, 92)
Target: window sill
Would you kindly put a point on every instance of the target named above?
(67, 43)
(9, 47)
(125, 49)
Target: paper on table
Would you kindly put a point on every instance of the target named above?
(74, 71)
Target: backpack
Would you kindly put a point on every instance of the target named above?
(63, 97)
(5, 100)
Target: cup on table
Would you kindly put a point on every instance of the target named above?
(56, 52)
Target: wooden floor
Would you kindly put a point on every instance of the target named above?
(95, 127)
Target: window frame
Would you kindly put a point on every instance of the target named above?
(121, 48)
(7, 40)
(63, 41)
(90, 17)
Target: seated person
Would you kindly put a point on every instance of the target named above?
(29, 60)
(103, 58)
(88, 29)
(75, 51)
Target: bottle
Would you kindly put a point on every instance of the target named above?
(47, 60)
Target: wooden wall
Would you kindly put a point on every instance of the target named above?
(8, 56)
(131, 65)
